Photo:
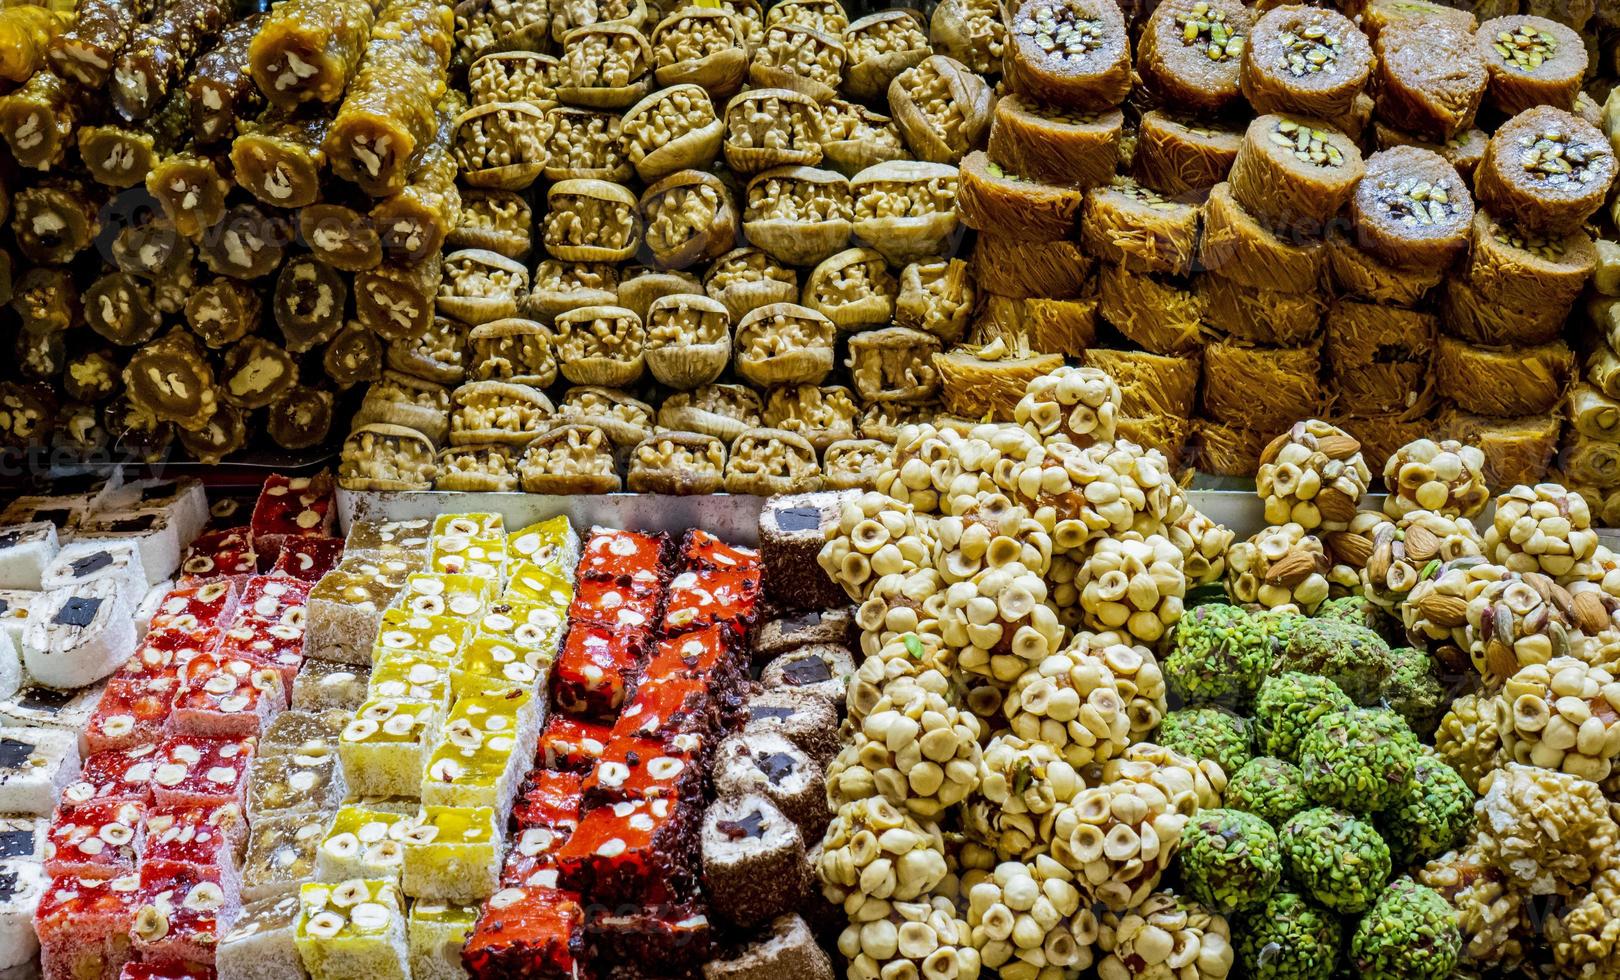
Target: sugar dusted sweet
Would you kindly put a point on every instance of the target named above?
(116, 774)
(352, 928)
(84, 924)
(22, 882)
(222, 696)
(281, 853)
(36, 764)
(304, 731)
(98, 839)
(80, 633)
(183, 911)
(362, 843)
(207, 836)
(310, 779)
(322, 684)
(260, 944)
(385, 747)
(452, 854)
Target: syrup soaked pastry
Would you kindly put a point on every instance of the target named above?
(1294, 171)
(1139, 228)
(1307, 60)
(122, 155)
(1073, 53)
(85, 51)
(1545, 170)
(1532, 61)
(1191, 53)
(1431, 78)
(119, 307)
(301, 417)
(224, 433)
(993, 199)
(1045, 142)
(1515, 268)
(1237, 245)
(417, 221)
(220, 92)
(172, 380)
(37, 120)
(1179, 155)
(308, 50)
(1411, 208)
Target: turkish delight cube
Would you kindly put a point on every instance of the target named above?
(675, 936)
(281, 852)
(222, 696)
(530, 933)
(702, 550)
(36, 765)
(362, 843)
(702, 598)
(23, 838)
(207, 836)
(80, 634)
(452, 854)
(274, 599)
(150, 532)
(308, 558)
(384, 748)
(388, 539)
(597, 669)
(15, 608)
(137, 970)
(455, 595)
(643, 559)
(36, 705)
(65, 510)
(183, 500)
(480, 524)
(484, 557)
(411, 674)
(22, 883)
(292, 507)
(572, 744)
(489, 664)
(116, 774)
(82, 562)
(25, 551)
(612, 604)
(226, 554)
(551, 544)
(196, 769)
(210, 604)
(489, 740)
(84, 924)
(99, 839)
(184, 910)
(549, 798)
(278, 646)
(713, 654)
(531, 625)
(304, 732)
(322, 684)
(353, 928)
(260, 943)
(306, 780)
(166, 649)
(634, 851)
(639, 768)
(665, 708)
(346, 607)
(542, 585)
(436, 931)
(404, 630)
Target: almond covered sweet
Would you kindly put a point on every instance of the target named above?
(1314, 476)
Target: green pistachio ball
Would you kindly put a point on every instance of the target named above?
(1230, 860)
(1218, 655)
(1290, 938)
(1359, 759)
(1354, 609)
(1410, 934)
(1207, 733)
(1269, 788)
(1335, 858)
(1432, 814)
(1353, 657)
(1279, 625)
(1288, 706)
(1413, 689)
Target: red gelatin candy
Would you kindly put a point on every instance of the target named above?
(629, 556)
(195, 769)
(703, 598)
(220, 554)
(99, 839)
(527, 934)
(572, 744)
(291, 507)
(208, 605)
(308, 558)
(222, 696)
(187, 833)
(635, 851)
(183, 912)
(272, 599)
(700, 549)
(614, 604)
(83, 926)
(131, 712)
(116, 774)
(596, 670)
(639, 768)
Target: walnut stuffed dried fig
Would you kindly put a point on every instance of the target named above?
(40, 356)
(498, 412)
(171, 379)
(604, 66)
(487, 468)
(679, 463)
(590, 221)
(585, 145)
(601, 345)
(501, 144)
(672, 129)
(971, 31)
(906, 209)
(567, 15)
(895, 364)
(765, 462)
(854, 464)
(701, 46)
(881, 45)
(478, 286)
(688, 340)
(438, 355)
(514, 76)
(936, 296)
(854, 137)
(772, 127)
(821, 415)
(399, 399)
(513, 349)
(383, 457)
(784, 344)
(569, 459)
(854, 289)
(822, 15)
(941, 108)
(625, 419)
(800, 58)
(745, 279)
(501, 25)
(494, 219)
(750, 18)
(563, 286)
(884, 420)
(689, 218)
(798, 215)
(643, 285)
(722, 411)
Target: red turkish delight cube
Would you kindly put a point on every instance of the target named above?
(276, 645)
(166, 971)
(549, 798)
(222, 695)
(210, 604)
(700, 549)
(308, 558)
(173, 645)
(629, 556)
(633, 851)
(528, 933)
(98, 839)
(615, 604)
(187, 833)
(292, 507)
(83, 926)
(272, 599)
(640, 768)
(131, 713)
(703, 598)
(115, 774)
(665, 708)
(572, 744)
(196, 769)
(184, 910)
(631, 938)
(219, 554)
(597, 669)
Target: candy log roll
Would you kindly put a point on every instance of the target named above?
(151, 66)
(308, 50)
(279, 160)
(220, 91)
(86, 50)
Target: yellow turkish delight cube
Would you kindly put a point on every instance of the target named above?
(384, 747)
(453, 854)
(355, 928)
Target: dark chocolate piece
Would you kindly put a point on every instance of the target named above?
(810, 670)
(91, 563)
(14, 753)
(792, 519)
(78, 611)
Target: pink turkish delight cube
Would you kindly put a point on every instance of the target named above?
(116, 774)
(183, 912)
(83, 926)
(227, 696)
(195, 769)
(99, 839)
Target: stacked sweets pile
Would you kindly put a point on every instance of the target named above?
(289, 154)
(140, 840)
(1589, 460)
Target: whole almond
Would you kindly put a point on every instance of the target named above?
(1445, 611)
(1349, 549)
(1295, 567)
(1422, 544)
(1338, 446)
(1335, 506)
(1591, 616)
